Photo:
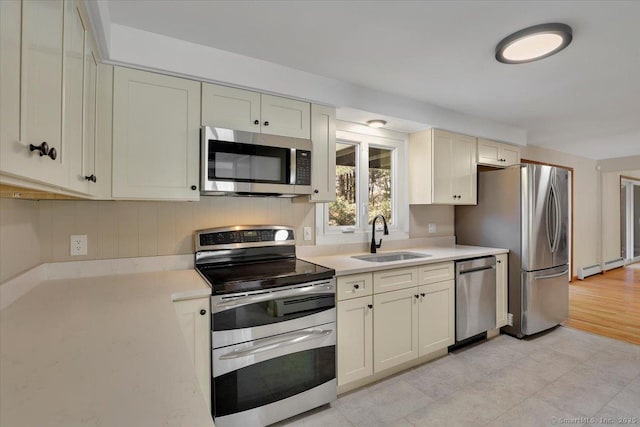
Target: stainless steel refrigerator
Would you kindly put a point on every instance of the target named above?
(526, 210)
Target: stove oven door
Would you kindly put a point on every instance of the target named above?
(253, 315)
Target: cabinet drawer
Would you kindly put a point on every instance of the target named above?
(433, 273)
(392, 280)
(355, 285)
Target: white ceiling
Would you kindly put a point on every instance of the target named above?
(585, 100)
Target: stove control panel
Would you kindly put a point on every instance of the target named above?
(239, 235)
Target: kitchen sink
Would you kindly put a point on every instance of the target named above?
(390, 256)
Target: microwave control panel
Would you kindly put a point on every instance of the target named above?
(303, 167)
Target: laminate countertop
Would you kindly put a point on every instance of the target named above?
(101, 351)
(345, 264)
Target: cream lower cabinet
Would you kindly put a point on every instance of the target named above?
(494, 153)
(436, 316)
(156, 136)
(195, 321)
(355, 339)
(502, 281)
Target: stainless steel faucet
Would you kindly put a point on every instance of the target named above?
(375, 246)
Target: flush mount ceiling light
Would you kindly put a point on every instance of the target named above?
(533, 43)
(376, 123)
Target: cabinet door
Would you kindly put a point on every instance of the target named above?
(489, 152)
(41, 92)
(433, 273)
(510, 155)
(354, 285)
(395, 333)
(196, 330)
(74, 75)
(436, 316)
(286, 117)
(90, 110)
(464, 170)
(155, 136)
(443, 163)
(323, 167)
(230, 108)
(502, 278)
(355, 339)
(392, 280)
(10, 27)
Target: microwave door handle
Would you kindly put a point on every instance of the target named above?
(269, 296)
(293, 166)
(278, 342)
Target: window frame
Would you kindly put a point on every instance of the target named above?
(365, 137)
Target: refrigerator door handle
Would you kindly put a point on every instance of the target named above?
(550, 240)
(558, 218)
(551, 276)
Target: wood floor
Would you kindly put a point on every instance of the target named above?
(607, 304)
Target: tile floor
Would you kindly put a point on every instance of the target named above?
(564, 377)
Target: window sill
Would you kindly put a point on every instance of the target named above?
(358, 236)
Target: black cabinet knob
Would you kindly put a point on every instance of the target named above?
(91, 178)
(194, 188)
(203, 312)
(499, 261)
(417, 296)
(256, 122)
(316, 191)
(370, 305)
(266, 123)
(52, 153)
(423, 294)
(356, 286)
(42, 148)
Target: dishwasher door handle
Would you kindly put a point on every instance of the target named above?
(474, 270)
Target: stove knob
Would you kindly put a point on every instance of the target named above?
(203, 312)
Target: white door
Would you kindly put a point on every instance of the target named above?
(502, 276)
(436, 316)
(286, 117)
(464, 170)
(230, 108)
(395, 328)
(489, 152)
(442, 165)
(323, 160)
(511, 155)
(10, 27)
(355, 339)
(89, 145)
(155, 136)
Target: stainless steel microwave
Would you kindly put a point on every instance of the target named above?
(245, 163)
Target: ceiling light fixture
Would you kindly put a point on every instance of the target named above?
(533, 43)
(376, 123)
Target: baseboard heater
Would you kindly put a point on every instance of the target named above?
(588, 271)
(614, 263)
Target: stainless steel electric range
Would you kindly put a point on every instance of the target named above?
(273, 325)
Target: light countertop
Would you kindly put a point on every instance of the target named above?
(101, 351)
(344, 264)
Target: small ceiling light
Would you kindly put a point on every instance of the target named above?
(533, 43)
(376, 123)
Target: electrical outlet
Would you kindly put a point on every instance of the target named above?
(307, 233)
(510, 319)
(433, 228)
(78, 244)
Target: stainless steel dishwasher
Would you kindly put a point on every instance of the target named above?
(475, 297)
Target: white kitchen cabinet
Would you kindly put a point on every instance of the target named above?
(156, 128)
(354, 286)
(36, 68)
(442, 168)
(395, 328)
(323, 166)
(250, 111)
(395, 279)
(502, 281)
(494, 153)
(436, 316)
(194, 320)
(355, 339)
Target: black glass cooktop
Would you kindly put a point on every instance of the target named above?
(252, 276)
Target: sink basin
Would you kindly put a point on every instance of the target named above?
(390, 256)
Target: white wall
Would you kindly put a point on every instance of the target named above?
(19, 237)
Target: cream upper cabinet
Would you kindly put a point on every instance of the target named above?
(494, 153)
(245, 110)
(40, 81)
(323, 160)
(502, 279)
(156, 128)
(436, 316)
(355, 339)
(194, 320)
(395, 332)
(442, 168)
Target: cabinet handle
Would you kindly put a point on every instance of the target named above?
(356, 286)
(42, 148)
(370, 306)
(266, 123)
(499, 261)
(203, 312)
(423, 294)
(417, 296)
(316, 191)
(256, 122)
(194, 188)
(52, 153)
(91, 178)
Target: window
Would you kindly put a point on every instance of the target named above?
(368, 170)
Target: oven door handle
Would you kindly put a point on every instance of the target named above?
(222, 305)
(274, 343)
